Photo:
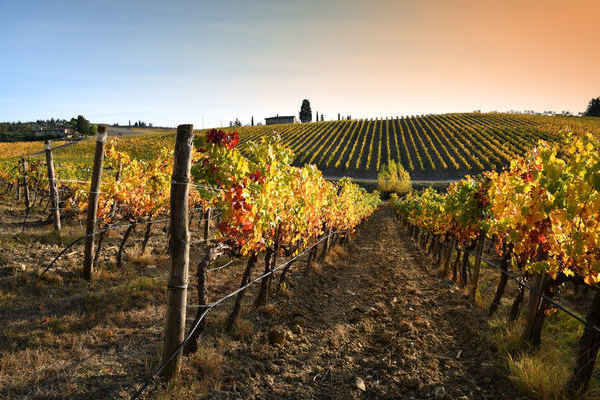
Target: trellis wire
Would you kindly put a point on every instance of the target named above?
(112, 228)
(109, 228)
(151, 379)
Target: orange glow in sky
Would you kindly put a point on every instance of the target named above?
(217, 61)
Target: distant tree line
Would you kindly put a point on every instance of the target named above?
(141, 124)
(24, 131)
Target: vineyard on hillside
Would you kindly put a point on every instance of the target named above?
(225, 205)
(429, 147)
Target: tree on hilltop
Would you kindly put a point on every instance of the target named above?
(237, 122)
(593, 109)
(305, 111)
(83, 126)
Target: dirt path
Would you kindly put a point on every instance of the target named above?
(375, 313)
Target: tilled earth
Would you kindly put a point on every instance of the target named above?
(372, 321)
(376, 323)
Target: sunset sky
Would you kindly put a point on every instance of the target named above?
(185, 61)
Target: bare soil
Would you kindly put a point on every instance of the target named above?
(373, 313)
(376, 313)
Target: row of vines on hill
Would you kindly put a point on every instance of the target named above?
(449, 142)
(543, 214)
(269, 206)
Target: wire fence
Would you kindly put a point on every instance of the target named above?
(113, 228)
(152, 379)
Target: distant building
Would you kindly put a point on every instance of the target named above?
(288, 119)
(60, 132)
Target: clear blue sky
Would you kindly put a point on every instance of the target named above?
(171, 62)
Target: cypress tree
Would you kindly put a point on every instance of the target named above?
(305, 111)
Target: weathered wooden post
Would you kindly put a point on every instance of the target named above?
(88, 265)
(25, 185)
(54, 203)
(179, 229)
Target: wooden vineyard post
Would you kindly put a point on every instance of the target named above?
(55, 212)
(179, 229)
(88, 266)
(25, 184)
(533, 306)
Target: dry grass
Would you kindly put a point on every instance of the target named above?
(542, 372)
(538, 374)
(335, 253)
(242, 329)
(134, 255)
(210, 363)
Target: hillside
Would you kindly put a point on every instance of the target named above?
(349, 318)
(430, 147)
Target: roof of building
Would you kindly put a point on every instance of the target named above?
(282, 116)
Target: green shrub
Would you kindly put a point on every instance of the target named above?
(393, 178)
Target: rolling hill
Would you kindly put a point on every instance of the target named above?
(432, 147)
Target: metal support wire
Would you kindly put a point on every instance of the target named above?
(109, 228)
(152, 378)
(112, 228)
(222, 266)
(196, 186)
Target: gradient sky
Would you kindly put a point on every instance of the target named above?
(171, 62)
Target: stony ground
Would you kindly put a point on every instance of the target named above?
(375, 323)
